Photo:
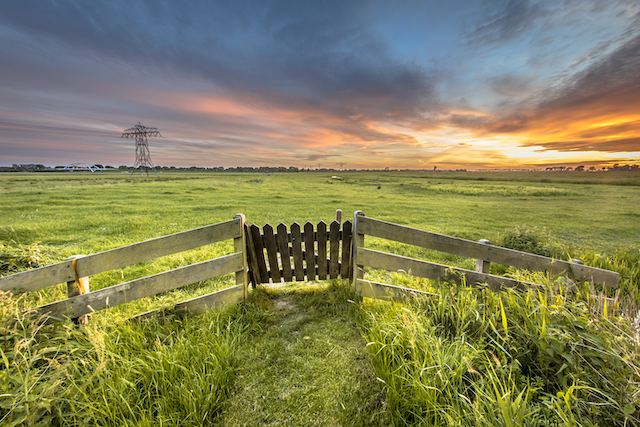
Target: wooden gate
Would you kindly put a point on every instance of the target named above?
(307, 253)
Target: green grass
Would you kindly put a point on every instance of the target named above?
(309, 367)
(174, 372)
(468, 357)
(482, 358)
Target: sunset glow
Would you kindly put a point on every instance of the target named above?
(465, 84)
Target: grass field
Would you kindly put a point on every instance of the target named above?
(493, 360)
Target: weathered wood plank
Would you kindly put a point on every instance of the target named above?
(240, 246)
(334, 249)
(345, 268)
(272, 252)
(254, 273)
(212, 301)
(384, 291)
(89, 265)
(309, 251)
(78, 286)
(483, 266)
(434, 271)
(296, 249)
(38, 278)
(199, 305)
(357, 243)
(143, 287)
(254, 230)
(488, 253)
(322, 250)
(155, 248)
(285, 254)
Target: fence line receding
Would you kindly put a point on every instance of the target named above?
(283, 254)
(76, 271)
(482, 251)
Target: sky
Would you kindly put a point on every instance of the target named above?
(316, 84)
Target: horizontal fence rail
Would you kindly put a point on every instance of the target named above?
(483, 252)
(75, 272)
(434, 271)
(141, 288)
(282, 254)
(490, 253)
(50, 275)
(300, 253)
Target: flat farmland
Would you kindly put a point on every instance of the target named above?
(317, 353)
(91, 212)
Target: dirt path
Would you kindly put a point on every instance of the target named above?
(308, 368)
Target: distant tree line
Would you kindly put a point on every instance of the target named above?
(280, 169)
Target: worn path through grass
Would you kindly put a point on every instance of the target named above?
(308, 367)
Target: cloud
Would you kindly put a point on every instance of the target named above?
(510, 85)
(327, 80)
(595, 109)
(507, 21)
(322, 59)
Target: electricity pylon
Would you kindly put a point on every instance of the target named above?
(143, 158)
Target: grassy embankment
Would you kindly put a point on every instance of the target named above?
(468, 357)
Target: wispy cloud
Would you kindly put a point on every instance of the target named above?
(286, 82)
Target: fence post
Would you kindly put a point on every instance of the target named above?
(339, 216)
(572, 276)
(357, 242)
(482, 266)
(77, 286)
(240, 245)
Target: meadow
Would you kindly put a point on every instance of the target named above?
(469, 357)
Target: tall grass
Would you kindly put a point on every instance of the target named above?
(466, 357)
(476, 357)
(170, 371)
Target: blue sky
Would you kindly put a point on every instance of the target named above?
(373, 84)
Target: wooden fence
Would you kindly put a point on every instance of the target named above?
(483, 252)
(299, 253)
(281, 255)
(82, 301)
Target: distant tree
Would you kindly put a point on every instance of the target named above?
(592, 168)
(579, 168)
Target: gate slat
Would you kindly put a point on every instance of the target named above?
(254, 274)
(346, 250)
(272, 252)
(259, 251)
(309, 251)
(322, 250)
(334, 249)
(296, 246)
(285, 255)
